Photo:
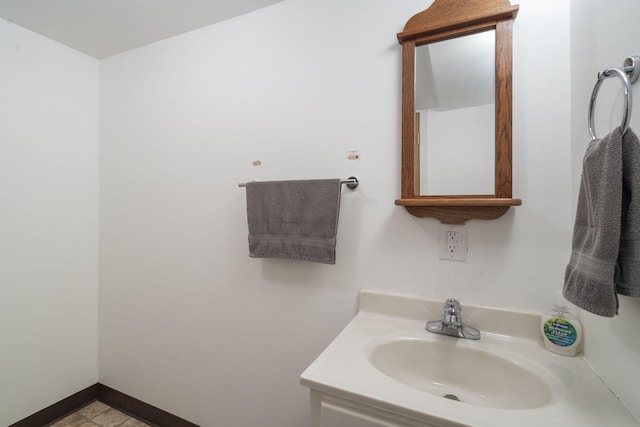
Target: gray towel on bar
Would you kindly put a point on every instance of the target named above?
(294, 219)
(629, 257)
(590, 276)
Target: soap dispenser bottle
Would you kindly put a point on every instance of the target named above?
(561, 331)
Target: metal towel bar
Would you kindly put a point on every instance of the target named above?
(352, 183)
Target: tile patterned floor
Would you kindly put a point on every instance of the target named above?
(97, 414)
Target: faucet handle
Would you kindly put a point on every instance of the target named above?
(452, 304)
(452, 312)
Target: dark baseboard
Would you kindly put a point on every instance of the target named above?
(127, 404)
(59, 410)
(139, 409)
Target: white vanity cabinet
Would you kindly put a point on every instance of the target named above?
(332, 411)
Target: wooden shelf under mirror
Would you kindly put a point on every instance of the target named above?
(458, 209)
(457, 21)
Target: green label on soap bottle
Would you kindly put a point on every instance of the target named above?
(560, 332)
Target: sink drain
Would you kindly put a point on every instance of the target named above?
(452, 397)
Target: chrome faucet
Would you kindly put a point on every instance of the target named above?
(451, 323)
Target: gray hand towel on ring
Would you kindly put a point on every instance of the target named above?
(629, 256)
(294, 219)
(590, 276)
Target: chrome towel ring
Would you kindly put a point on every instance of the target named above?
(631, 68)
(626, 86)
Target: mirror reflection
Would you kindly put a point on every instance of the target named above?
(455, 115)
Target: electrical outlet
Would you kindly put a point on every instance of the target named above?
(453, 242)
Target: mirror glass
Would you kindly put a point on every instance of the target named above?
(455, 114)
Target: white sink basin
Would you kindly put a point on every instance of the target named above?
(384, 361)
(464, 371)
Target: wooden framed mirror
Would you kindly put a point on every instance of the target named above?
(447, 37)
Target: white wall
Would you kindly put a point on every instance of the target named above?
(603, 35)
(48, 222)
(190, 323)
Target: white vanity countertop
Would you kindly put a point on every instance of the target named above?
(344, 369)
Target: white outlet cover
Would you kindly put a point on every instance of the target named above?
(462, 247)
